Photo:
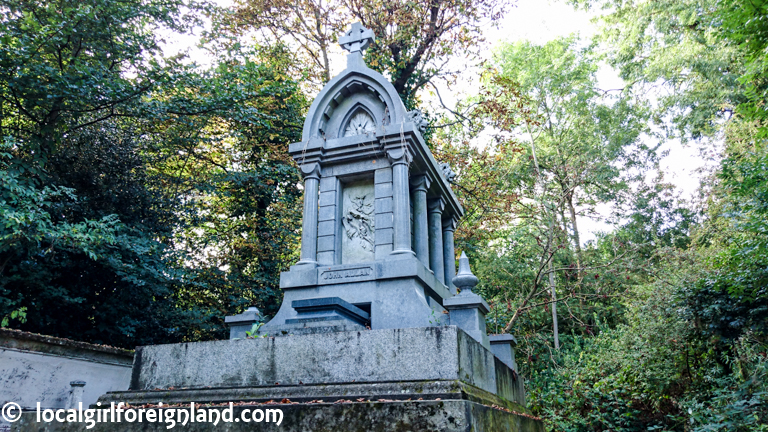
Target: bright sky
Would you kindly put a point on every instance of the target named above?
(539, 21)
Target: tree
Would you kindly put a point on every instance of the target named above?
(113, 146)
(560, 143)
(414, 40)
(690, 352)
(668, 46)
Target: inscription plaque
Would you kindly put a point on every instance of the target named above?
(339, 275)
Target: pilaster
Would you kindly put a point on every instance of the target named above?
(311, 174)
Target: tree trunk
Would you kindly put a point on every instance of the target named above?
(554, 305)
(576, 239)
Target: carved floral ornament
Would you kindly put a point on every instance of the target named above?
(361, 123)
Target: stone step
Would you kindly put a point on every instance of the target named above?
(352, 416)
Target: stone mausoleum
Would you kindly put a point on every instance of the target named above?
(379, 212)
(376, 331)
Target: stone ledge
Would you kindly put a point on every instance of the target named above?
(380, 270)
(410, 390)
(352, 416)
(413, 354)
(33, 342)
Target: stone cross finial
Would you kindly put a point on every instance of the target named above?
(357, 39)
(465, 280)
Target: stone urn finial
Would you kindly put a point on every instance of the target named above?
(465, 280)
(467, 310)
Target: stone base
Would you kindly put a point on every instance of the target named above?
(396, 293)
(349, 416)
(415, 379)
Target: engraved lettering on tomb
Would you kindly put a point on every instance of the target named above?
(347, 273)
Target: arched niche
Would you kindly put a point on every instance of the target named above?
(356, 90)
(360, 120)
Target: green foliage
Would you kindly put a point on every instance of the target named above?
(667, 44)
(744, 25)
(144, 197)
(254, 331)
(653, 373)
(19, 314)
(559, 147)
(689, 353)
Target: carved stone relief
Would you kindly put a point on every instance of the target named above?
(360, 124)
(447, 172)
(357, 220)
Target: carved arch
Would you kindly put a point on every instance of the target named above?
(349, 129)
(363, 85)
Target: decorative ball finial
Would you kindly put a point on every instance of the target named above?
(465, 280)
(357, 38)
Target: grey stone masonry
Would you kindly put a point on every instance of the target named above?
(327, 309)
(239, 324)
(467, 310)
(449, 257)
(415, 354)
(384, 213)
(503, 347)
(309, 240)
(362, 156)
(427, 415)
(420, 184)
(436, 259)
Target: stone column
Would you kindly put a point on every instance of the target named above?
(436, 261)
(311, 173)
(420, 229)
(401, 159)
(449, 259)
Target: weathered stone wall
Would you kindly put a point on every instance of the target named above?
(427, 353)
(36, 368)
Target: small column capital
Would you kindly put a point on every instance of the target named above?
(449, 224)
(399, 156)
(420, 183)
(436, 205)
(310, 171)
